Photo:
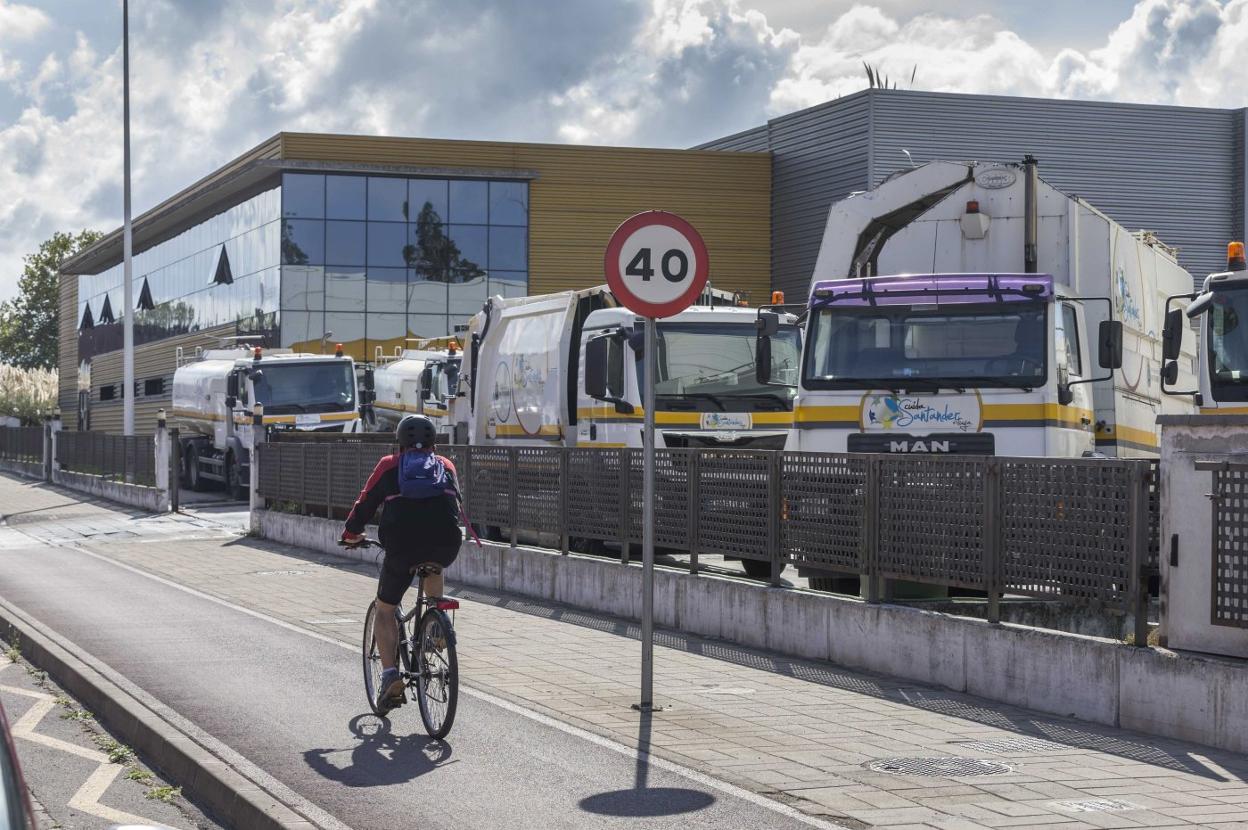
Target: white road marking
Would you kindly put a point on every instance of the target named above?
(87, 799)
(568, 729)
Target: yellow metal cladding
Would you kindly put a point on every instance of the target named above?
(580, 194)
(67, 350)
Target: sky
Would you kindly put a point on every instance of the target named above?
(212, 78)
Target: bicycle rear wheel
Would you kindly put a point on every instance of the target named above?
(372, 658)
(437, 680)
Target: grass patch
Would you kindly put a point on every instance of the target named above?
(140, 775)
(80, 715)
(118, 753)
(14, 651)
(165, 794)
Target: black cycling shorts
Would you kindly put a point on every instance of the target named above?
(396, 570)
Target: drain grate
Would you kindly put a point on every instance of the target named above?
(940, 767)
(1012, 746)
(1096, 805)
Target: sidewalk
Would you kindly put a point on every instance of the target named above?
(804, 733)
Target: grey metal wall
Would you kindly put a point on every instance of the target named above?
(819, 155)
(1178, 171)
(1173, 170)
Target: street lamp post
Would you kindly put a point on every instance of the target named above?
(127, 245)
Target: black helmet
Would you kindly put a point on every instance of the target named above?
(415, 431)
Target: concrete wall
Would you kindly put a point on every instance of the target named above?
(134, 495)
(1102, 681)
(29, 469)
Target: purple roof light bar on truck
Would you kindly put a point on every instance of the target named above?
(941, 289)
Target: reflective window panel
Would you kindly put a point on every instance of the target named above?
(303, 242)
(387, 244)
(345, 197)
(387, 199)
(509, 203)
(386, 331)
(387, 290)
(349, 330)
(303, 195)
(427, 199)
(344, 243)
(344, 289)
(469, 202)
(509, 248)
(425, 296)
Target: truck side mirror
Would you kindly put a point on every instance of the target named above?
(426, 382)
(1109, 342)
(231, 385)
(767, 324)
(1064, 394)
(369, 379)
(596, 367)
(1172, 334)
(1170, 372)
(762, 359)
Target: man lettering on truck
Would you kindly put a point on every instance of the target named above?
(419, 526)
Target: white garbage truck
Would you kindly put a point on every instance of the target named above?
(973, 308)
(214, 393)
(420, 380)
(1220, 361)
(565, 369)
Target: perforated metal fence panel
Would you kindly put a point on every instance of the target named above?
(538, 486)
(596, 491)
(1230, 547)
(130, 458)
(671, 498)
(21, 443)
(737, 497)
(823, 510)
(490, 485)
(931, 520)
(1066, 527)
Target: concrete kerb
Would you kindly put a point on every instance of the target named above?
(131, 495)
(209, 780)
(1184, 696)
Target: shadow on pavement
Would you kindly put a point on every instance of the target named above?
(379, 758)
(641, 800)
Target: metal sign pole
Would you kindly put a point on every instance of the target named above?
(647, 522)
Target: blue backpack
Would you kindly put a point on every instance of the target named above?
(422, 475)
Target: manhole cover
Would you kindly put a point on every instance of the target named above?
(1012, 746)
(940, 767)
(1096, 805)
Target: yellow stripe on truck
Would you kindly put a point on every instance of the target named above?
(1142, 438)
(1039, 414)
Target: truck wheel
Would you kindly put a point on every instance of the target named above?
(233, 480)
(757, 569)
(192, 469)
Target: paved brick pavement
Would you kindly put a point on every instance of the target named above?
(805, 733)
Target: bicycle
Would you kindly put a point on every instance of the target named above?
(426, 654)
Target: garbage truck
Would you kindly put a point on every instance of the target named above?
(564, 369)
(1219, 364)
(974, 308)
(422, 380)
(215, 390)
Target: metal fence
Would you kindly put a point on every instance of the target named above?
(1230, 543)
(131, 459)
(21, 444)
(1072, 529)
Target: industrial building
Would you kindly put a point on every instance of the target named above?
(1177, 171)
(315, 240)
(312, 240)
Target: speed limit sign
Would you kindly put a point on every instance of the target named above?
(656, 264)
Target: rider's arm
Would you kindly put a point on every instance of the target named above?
(383, 483)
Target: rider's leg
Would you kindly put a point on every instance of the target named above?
(386, 630)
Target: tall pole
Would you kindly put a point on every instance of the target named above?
(647, 523)
(127, 244)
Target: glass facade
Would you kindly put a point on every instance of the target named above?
(367, 260)
(182, 285)
(372, 260)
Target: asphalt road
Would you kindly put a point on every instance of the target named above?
(293, 705)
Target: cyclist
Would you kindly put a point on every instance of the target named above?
(419, 526)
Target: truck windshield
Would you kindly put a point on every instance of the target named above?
(960, 346)
(1228, 344)
(306, 387)
(714, 362)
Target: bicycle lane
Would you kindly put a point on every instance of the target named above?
(292, 704)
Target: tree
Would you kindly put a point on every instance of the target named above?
(28, 323)
(27, 394)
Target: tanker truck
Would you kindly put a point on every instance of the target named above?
(214, 392)
(419, 380)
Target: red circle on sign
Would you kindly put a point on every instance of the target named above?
(615, 280)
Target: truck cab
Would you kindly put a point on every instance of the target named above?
(416, 381)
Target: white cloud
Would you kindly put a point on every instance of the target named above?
(19, 22)
(212, 79)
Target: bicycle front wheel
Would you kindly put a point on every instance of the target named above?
(437, 679)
